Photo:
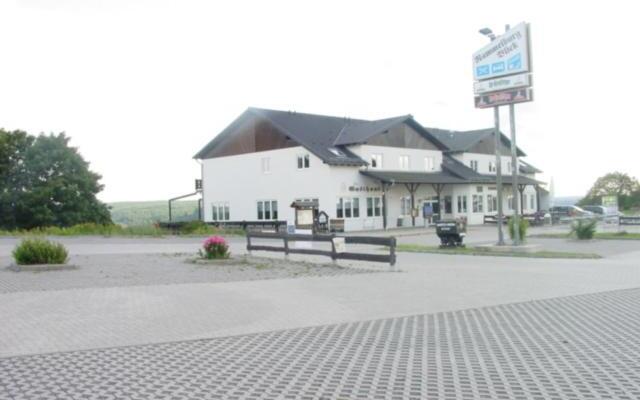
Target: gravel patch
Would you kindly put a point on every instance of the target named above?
(114, 270)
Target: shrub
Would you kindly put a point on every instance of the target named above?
(40, 251)
(195, 228)
(215, 247)
(524, 225)
(584, 229)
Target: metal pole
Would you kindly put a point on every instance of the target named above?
(496, 118)
(514, 174)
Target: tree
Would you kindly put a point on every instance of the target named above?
(48, 183)
(13, 148)
(626, 187)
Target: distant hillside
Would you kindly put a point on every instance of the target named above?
(133, 213)
(566, 200)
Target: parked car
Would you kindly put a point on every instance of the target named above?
(560, 213)
(601, 211)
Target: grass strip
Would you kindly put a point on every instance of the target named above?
(471, 251)
(622, 235)
(118, 230)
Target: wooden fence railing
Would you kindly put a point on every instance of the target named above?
(335, 253)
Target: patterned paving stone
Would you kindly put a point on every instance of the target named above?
(579, 347)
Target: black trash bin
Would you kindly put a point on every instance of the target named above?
(451, 232)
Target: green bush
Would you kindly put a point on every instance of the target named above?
(524, 225)
(39, 251)
(584, 229)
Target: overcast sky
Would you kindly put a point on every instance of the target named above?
(142, 85)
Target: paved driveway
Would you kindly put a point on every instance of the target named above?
(37, 322)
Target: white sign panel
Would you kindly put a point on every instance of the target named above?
(503, 83)
(508, 54)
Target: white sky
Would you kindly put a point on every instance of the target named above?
(142, 85)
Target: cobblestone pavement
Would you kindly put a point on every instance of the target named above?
(579, 347)
(118, 270)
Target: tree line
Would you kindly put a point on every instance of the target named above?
(624, 186)
(45, 182)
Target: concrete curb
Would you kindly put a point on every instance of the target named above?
(41, 267)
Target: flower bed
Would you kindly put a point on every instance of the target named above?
(215, 248)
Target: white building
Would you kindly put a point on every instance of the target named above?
(369, 174)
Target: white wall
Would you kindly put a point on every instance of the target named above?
(240, 181)
(483, 161)
(391, 156)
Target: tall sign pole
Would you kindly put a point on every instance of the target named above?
(514, 176)
(515, 169)
(502, 76)
(496, 120)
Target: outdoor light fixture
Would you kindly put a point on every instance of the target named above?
(488, 32)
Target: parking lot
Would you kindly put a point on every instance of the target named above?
(452, 326)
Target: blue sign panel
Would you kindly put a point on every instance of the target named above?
(482, 70)
(515, 62)
(497, 67)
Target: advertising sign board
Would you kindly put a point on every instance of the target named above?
(504, 97)
(508, 54)
(611, 204)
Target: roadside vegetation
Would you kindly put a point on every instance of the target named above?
(471, 251)
(195, 228)
(40, 251)
(621, 235)
(583, 229)
(523, 226)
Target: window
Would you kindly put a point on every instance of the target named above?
(474, 164)
(303, 161)
(267, 210)
(462, 204)
(510, 202)
(220, 211)
(492, 166)
(492, 203)
(448, 206)
(509, 166)
(477, 203)
(373, 206)
(376, 161)
(266, 167)
(532, 198)
(403, 162)
(479, 189)
(405, 206)
(348, 207)
(429, 163)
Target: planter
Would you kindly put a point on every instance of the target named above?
(41, 267)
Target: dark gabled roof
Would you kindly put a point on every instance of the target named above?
(508, 178)
(359, 131)
(458, 169)
(326, 137)
(463, 141)
(527, 168)
(411, 176)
